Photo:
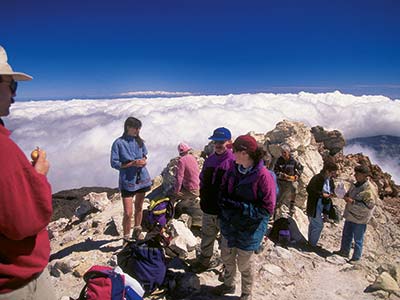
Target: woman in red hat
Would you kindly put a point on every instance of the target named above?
(247, 201)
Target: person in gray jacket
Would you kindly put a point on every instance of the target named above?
(360, 204)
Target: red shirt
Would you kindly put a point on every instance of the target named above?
(25, 211)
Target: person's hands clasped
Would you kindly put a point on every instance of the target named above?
(135, 163)
(229, 203)
(348, 199)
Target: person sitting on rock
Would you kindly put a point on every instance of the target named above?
(320, 189)
(246, 203)
(187, 182)
(288, 171)
(360, 204)
(214, 168)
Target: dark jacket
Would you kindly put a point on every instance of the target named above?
(290, 167)
(211, 175)
(244, 227)
(314, 190)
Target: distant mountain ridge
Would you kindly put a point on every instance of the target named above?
(384, 145)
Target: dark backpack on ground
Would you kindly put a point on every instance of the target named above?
(280, 232)
(145, 261)
(160, 212)
(334, 213)
(102, 283)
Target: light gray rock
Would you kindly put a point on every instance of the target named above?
(178, 229)
(281, 253)
(273, 269)
(384, 282)
(99, 201)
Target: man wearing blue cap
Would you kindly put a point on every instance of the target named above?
(214, 168)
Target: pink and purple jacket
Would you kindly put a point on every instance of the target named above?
(245, 228)
(187, 174)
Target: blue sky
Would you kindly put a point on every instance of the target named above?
(105, 48)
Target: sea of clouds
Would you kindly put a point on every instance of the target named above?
(77, 134)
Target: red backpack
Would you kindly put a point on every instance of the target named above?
(103, 283)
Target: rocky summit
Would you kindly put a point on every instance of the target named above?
(87, 230)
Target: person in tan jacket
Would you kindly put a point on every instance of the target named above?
(360, 203)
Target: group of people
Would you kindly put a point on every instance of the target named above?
(238, 195)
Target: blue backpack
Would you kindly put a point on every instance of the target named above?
(145, 261)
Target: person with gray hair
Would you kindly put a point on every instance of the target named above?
(360, 205)
(288, 170)
(26, 208)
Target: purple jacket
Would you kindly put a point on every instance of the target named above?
(187, 174)
(214, 168)
(245, 227)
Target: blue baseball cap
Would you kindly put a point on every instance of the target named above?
(221, 134)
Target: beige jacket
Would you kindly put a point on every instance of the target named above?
(365, 196)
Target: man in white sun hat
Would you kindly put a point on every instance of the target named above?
(25, 208)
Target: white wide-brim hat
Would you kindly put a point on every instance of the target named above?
(5, 68)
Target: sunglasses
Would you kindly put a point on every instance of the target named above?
(218, 142)
(12, 84)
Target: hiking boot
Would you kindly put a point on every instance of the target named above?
(137, 233)
(198, 267)
(354, 261)
(223, 289)
(341, 253)
(245, 297)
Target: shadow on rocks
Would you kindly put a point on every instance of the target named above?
(85, 246)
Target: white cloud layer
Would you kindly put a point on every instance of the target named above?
(156, 93)
(78, 134)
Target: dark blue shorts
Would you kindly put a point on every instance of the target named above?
(127, 194)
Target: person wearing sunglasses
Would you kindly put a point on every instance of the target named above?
(25, 208)
(247, 200)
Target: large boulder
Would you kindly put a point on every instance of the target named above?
(303, 147)
(333, 140)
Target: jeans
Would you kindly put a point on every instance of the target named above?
(353, 230)
(316, 224)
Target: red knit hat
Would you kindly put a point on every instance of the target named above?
(245, 143)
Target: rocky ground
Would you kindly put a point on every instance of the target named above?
(88, 232)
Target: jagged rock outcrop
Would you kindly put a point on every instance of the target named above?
(303, 146)
(66, 202)
(333, 141)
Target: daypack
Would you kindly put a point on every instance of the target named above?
(160, 211)
(103, 283)
(145, 261)
(334, 213)
(280, 232)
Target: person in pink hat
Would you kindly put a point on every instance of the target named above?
(26, 208)
(187, 182)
